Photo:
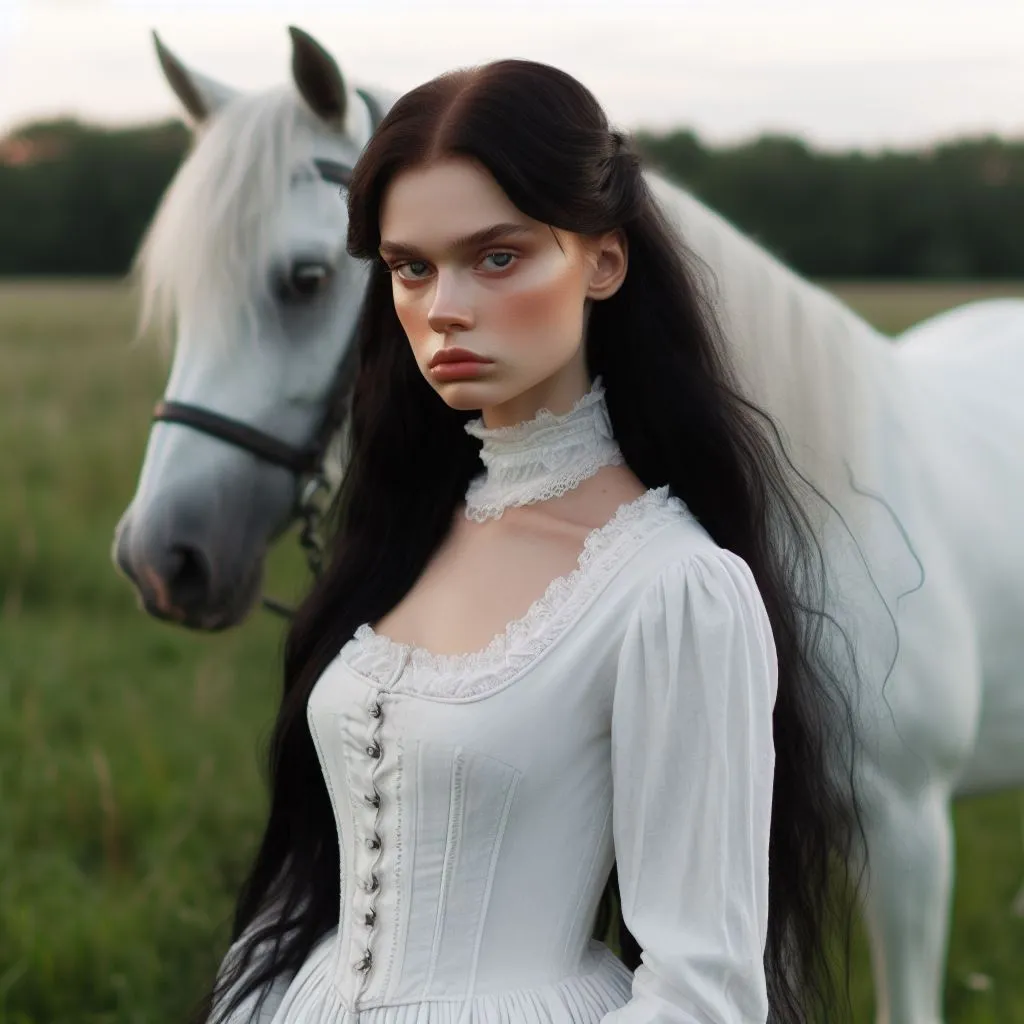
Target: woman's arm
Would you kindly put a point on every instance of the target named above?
(693, 762)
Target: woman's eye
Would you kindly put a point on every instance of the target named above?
(413, 270)
(504, 259)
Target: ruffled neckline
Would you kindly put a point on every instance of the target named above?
(407, 667)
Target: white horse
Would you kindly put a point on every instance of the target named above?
(918, 446)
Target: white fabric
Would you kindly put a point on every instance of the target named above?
(628, 716)
(541, 458)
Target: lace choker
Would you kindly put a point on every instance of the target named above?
(541, 458)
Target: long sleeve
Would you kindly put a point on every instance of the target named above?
(693, 762)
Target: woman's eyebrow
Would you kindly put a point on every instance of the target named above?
(470, 241)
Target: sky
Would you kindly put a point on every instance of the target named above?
(840, 73)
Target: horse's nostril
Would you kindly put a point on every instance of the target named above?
(188, 581)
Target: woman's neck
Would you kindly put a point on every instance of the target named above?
(541, 458)
(558, 394)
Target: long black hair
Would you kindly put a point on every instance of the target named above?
(679, 419)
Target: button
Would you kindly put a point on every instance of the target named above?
(372, 885)
(373, 800)
(364, 964)
(373, 842)
(370, 919)
(373, 750)
(375, 709)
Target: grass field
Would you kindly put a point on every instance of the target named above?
(130, 789)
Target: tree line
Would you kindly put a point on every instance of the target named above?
(75, 200)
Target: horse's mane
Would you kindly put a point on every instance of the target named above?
(831, 384)
(211, 233)
(816, 367)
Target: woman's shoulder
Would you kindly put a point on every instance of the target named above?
(687, 600)
(674, 553)
(672, 534)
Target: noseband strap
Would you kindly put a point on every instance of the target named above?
(241, 435)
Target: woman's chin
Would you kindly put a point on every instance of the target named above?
(469, 395)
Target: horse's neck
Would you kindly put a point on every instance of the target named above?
(813, 365)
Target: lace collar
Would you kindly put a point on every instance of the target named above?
(541, 458)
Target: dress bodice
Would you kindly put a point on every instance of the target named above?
(473, 792)
(480, 800)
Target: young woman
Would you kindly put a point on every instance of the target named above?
(560, 650)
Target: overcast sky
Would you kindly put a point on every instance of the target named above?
(838, 72)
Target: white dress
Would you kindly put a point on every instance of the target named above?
(480, 801)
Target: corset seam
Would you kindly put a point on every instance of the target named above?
(397, 874)
(491, 871)
(453, 847)
(592, 864)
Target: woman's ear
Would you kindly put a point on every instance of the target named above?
(610, 260)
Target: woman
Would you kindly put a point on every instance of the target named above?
(550, 468)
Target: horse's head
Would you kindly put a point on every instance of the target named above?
(246, 258)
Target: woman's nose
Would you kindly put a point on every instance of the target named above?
(451, 309)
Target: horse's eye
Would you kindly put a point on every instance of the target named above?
(304, 281)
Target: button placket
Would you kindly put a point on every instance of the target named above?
(373, 844)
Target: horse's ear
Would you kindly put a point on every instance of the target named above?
(199, 95)
(318, 78)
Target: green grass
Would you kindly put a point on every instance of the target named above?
(130, 789)
(895, 306)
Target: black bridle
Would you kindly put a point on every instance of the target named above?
(305, 463)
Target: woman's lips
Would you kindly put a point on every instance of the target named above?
(457, 364)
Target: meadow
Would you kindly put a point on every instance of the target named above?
(131, 790)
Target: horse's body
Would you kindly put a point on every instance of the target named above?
(930, 430)
(955, 477)
(965, 384)
(918, 447)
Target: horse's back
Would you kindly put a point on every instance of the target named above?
(967, 334)
(965, 372)
(971, 360)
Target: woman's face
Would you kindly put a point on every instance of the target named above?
(492, 301)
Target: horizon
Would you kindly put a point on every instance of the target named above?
(839, 75)
(915, 146)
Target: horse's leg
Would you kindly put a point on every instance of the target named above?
(998, 762)
(909, 893)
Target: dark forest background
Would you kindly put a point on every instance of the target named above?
(75, 199)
